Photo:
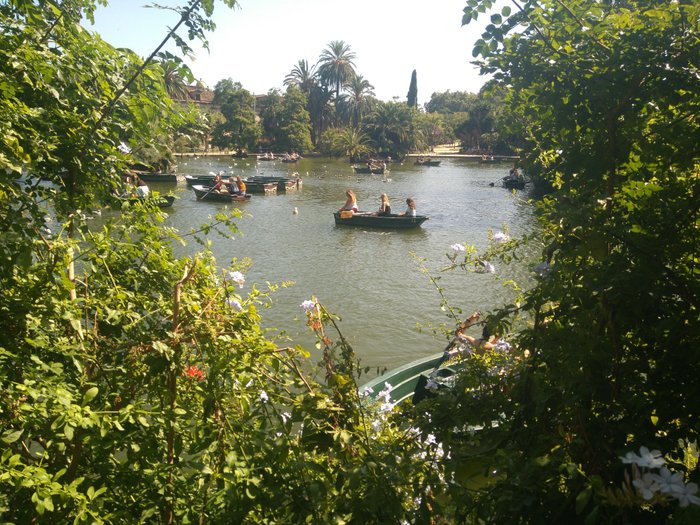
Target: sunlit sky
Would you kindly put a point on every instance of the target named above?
(260, 42)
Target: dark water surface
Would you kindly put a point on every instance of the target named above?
(371, 278)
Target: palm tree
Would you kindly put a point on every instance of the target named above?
(335, 65)
(389, 127)
(302, 76)
(358, 99)
(175, 84)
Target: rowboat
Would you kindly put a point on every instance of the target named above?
(205, 193)
(252, 185)
(283, 183)
(410, 381)
(151, 176)
(427, 162)
(366, 219)
(376, 170)
(162, 201)
(514, 184)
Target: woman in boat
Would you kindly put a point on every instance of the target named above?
(411, 208)
(350, 203)
(142, 189)
(241, 185)
(232, 186)
(384, 206)
(217, 183)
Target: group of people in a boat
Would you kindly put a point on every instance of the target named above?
(514, 174)
(384, 205)
(234, 185)
(133, 187)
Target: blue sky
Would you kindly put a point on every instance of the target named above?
(260, 42)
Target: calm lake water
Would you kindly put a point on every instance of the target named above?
(370, 278)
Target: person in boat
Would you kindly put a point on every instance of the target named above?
(350, 203)
(232, 186)
(217, 183)
(514, 174)
(384, 206)
(241, 186)
(463, 342)
(142, 189)
(410, 209)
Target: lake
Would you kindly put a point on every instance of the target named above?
(372, 279)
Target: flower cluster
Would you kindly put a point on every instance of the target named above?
(234, 303)
(237, 277)
(501, 237)
(194, 372)
(662, 483)
(458, 248)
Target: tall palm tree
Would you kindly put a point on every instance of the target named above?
(302, 76)
(335, 65)
(358, 99)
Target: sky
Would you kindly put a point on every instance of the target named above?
(260, 42)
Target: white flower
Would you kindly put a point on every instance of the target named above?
(500, 237)
(485, 267)
(646, 459)
(458, 248)
(234, 303)
(237, 277)
(263, 396)
(376, 425)
(124, 148)
(308, 305)
(669, 482)
(686, 495)
(365, 392)
(646, 485)
(386, 407)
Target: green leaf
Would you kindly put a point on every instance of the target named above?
(11, 436)
(90, 394)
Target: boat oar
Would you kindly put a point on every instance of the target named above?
(207, 193)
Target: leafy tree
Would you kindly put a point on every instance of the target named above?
(138, 386)
(412, 96)
(609, 92)
(389, 128)
(294, 131)
(240, 130)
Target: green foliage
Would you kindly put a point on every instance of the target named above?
(240, 130)
(607, 97)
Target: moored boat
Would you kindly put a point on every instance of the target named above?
(375, 170)
(152, 176)
(372, 220)
(409, 381)
(427, 162)
(205, 193)
(283, 183)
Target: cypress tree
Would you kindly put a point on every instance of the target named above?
(413, 91)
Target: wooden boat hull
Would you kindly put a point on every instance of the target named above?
(366, 170)
(368, 220)
(283, 183)
(428, 162)
(203, 193)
